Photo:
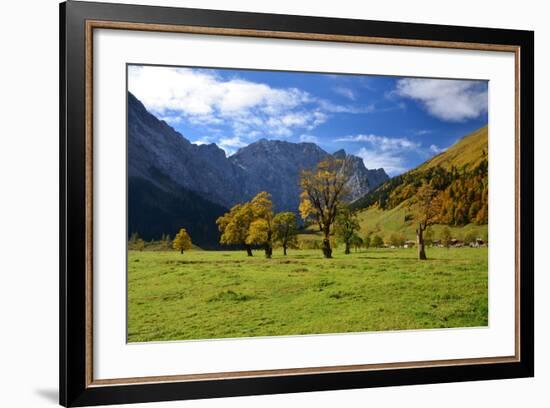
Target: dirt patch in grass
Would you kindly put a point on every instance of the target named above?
(230, 296)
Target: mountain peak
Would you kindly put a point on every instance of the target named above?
(339, 154)
(278, 147)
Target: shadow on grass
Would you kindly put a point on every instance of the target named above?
(403, 258)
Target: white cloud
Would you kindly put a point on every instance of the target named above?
(250, 109)
(448, 100)
(436, 150)
(345, 92)
(172, 120)
(309, 139)
(205, 99)
(231, 142)
(389, 153)
(423, 132)
(335, 108)
(383, 143)
(203, 140)
(390, 162)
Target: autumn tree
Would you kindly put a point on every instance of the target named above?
(428, 209)
(260, 231)
(234, 226)
(182, 241)
(345, 226)
(285, 230)
(377, 241)
(463, 192)
(323, 190)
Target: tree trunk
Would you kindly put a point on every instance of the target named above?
(347, 248)
(268, 250)
(181, 251)
(268, 246)
(248, 250)
(327, 250)
(420, 243)
(284, 250)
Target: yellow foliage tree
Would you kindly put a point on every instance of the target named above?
(260, 231)
(323, 191)
(234, 226)
(248, 224)
(258, 234)
(182, 241)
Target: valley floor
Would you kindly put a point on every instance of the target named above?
(223, 294)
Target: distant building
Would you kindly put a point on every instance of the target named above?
(457, 243)
(409, 244)
(477, 243)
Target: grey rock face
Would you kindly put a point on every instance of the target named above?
(267, 165)
(155, 147)
(363, 180)
(275, 166)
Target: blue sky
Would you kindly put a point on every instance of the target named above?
(391, 122)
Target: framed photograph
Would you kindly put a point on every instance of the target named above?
(257, 204)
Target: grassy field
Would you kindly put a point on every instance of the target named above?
(389, 221)
(386, 222)
(222, 294)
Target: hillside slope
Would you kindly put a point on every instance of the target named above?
(468, 152)
(460, 178)
(154, 211)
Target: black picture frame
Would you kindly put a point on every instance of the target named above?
(75, 389)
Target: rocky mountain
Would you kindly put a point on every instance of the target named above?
(362, 180)
(275, 166)
(156, 148)
(166, 172)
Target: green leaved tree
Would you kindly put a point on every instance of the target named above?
(285, 230)
(346, 226)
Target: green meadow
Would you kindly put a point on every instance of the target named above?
(224, 294)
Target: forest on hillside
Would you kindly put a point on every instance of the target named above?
(463, 192)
